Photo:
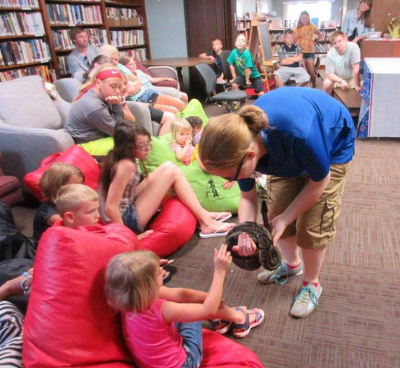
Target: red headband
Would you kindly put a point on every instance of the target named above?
(109, 73)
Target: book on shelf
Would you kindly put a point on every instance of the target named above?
(127, 38)
(62, 41)
(73, 14)
(139, 54)
(24, 52)
(24, 4)
(41, 70)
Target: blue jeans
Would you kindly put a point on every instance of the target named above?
(192, 343)
(130, 219)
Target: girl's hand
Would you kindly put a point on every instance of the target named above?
(245, 246)
(222, 258)
(188, 142)
(115, 100)
(228, 184)
(145, 234)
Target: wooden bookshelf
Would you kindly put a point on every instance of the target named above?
(59, 16)
(24, 48)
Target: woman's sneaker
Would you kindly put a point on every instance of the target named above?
(306, 301)
(280, 275)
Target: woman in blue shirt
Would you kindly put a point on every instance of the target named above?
(304, 140)
(357, 22)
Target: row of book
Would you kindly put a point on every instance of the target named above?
(24, 4)
(326, 35)
(62, 41)
(18, 24)
(323, 47)
(63, 65)
(41, 70)
(24, 52)
(276, 37)
(68, 14)
(127, 38)
(121, 13)
(139, 54)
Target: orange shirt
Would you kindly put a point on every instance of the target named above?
(305, 37)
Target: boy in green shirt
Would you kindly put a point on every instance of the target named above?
(242, 67)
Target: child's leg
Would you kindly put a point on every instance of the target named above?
(309, 64)
(171, 101)
(192, 342)
(153, 189)
(166, 108)
(166, 121)
(184, 97)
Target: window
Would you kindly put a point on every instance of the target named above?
(322, 10)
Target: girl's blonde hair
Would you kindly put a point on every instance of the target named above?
(56, 176)
(71, 197)
(227, 138)
(178, 126)
(107, 50)
(131, 281)
(299, 23)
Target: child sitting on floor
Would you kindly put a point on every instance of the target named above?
(160, 324)
(181, 140)
(56, 176)
(197, 128)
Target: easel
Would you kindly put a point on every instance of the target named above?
(259, 36)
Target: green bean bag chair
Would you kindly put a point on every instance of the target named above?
(208, 188)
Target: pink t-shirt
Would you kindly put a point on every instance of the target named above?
(152, 342)
(187, 159)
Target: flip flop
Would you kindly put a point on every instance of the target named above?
(222, 218)
(216, 233)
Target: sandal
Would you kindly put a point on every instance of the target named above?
(26, 289)
(220, 326)
(241, 330)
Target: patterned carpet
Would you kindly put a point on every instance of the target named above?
(357, 323)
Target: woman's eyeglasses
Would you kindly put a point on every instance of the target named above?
(235, 178)
(143, 146)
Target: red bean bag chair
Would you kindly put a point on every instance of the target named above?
(75, 156)
(173, 227)
(69, 323)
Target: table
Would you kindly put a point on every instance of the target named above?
(178, 63)
(350, 98)
(380, 106)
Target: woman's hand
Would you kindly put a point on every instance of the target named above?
(277, 227)
(145, 234)
(228, 184)
(245, 246)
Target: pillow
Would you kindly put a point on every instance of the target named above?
(75, 156)
(68, 322)
(25, 103)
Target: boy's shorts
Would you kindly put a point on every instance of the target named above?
(315, 228)
(300, 75)
(257, 83)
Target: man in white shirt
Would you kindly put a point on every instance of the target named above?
(342, 64)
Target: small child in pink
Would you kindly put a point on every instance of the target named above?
(181, 140)
(161, 326)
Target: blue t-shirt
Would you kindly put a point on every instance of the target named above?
(243, 61)
(309, 131)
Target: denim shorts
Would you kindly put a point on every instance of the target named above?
(309, 55)
(145, 97)
(192, 343)
(130, 219)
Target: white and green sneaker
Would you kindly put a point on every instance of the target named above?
(306, 301)
(280, 275)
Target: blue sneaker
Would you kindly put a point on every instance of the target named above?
(306, 301)
(280, 275)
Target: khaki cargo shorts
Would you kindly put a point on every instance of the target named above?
(315, 228)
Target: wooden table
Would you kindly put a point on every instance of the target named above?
(350, 98)
(178, 63)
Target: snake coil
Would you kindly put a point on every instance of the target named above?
(267, 255)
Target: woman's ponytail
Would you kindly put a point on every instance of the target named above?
(255, 118)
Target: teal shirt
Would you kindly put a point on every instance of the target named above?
(243, 61)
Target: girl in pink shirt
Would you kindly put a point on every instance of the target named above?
(160, 324)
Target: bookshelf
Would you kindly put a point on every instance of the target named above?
(122, 23)
(23, 46)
